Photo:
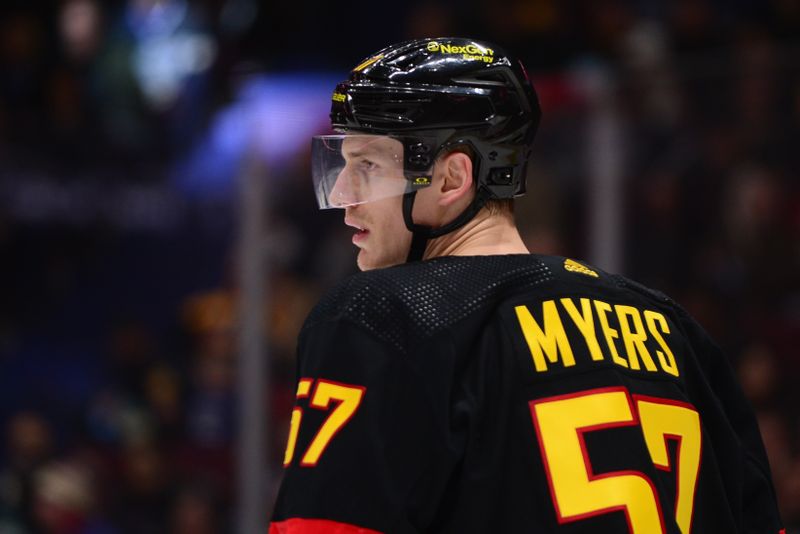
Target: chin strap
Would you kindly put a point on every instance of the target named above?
(421, 233)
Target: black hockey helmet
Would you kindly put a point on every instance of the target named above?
(432, 95)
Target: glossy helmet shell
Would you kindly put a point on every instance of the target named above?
(440, 93)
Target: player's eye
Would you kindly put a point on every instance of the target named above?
(367, 165)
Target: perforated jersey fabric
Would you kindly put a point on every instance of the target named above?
(410, 302)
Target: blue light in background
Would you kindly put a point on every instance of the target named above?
(274, 116)
(172, 44)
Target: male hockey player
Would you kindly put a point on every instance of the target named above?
(461, 384)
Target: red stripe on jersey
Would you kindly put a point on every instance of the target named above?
(316, 526)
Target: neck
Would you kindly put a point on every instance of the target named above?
(486, 234)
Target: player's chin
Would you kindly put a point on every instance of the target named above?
(367, 260)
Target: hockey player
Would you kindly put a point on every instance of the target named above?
(461, 384)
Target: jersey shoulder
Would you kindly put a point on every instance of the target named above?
(410, 302)
(569, 274)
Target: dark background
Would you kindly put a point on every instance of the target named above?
(124, 128)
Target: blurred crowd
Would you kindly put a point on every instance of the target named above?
(118, 294)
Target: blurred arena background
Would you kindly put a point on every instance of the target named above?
(154, 169)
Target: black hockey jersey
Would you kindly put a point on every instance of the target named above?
(524, 394)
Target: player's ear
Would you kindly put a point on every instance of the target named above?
(456, 178)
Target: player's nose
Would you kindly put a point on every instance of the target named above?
(345, 191)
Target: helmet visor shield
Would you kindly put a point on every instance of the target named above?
(349, 170)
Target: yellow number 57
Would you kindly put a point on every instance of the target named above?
(347, 399)
(578, 494)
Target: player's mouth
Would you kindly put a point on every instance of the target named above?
(361, 232)
(360, 236)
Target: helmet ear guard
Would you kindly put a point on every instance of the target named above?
(498, 168)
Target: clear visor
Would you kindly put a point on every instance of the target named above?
(354, 169)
